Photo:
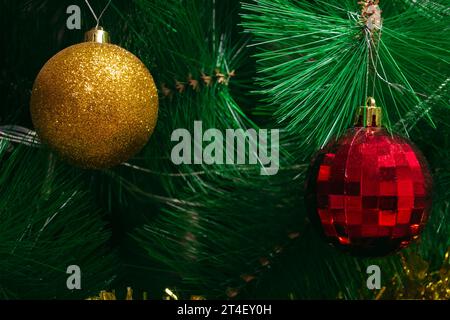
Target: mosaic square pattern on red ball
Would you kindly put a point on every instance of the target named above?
(371, 185)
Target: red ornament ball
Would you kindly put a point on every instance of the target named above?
(370, 192)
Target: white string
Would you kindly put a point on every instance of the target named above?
(90, 8)
(376, 46)
(106, 7)
(374, 64)
(101, 14)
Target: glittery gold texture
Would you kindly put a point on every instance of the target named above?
(95, 104)
(419, 282)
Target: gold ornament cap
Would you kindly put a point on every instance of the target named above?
(373, 114)
(97, 34)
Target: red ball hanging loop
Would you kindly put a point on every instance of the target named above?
(370, 191)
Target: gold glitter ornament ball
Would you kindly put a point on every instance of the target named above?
(95, 104)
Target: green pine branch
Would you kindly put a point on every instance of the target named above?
(314, 63)
(48, 222)
(220, 231)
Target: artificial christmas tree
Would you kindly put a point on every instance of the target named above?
(212, 229)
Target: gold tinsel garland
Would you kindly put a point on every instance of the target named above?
(111, 295)
(419, 282)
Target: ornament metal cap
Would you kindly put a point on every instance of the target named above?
(373, 114)
(97, 34)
